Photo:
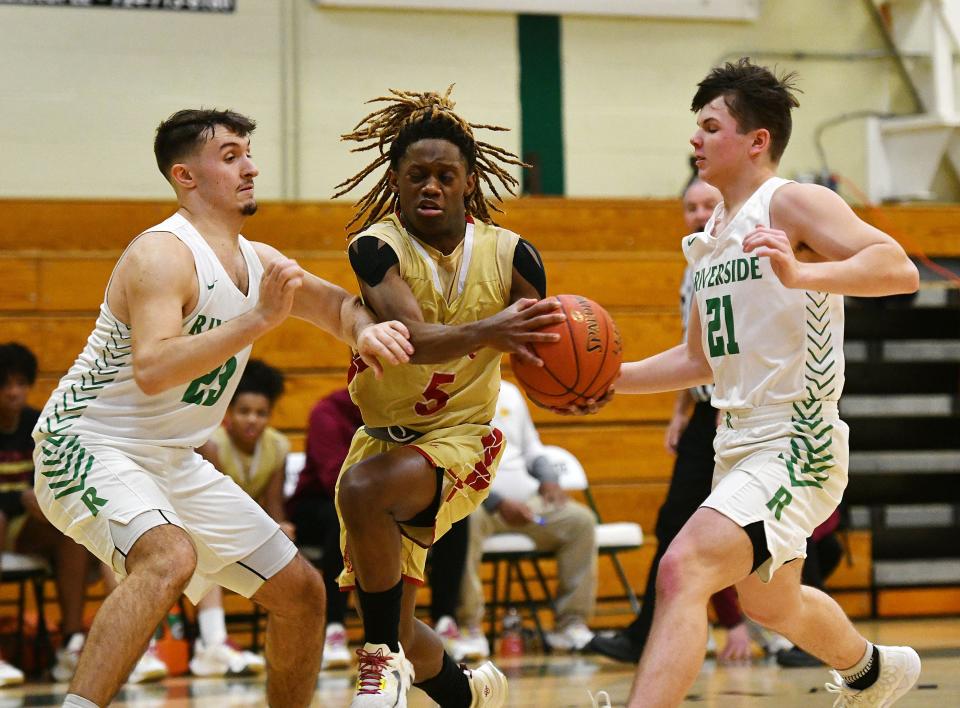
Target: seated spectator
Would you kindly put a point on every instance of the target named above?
(22, 525)
(254, 455)
(333, 421)
(526, 498)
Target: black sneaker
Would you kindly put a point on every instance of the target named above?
(617, 646)
(797, 658)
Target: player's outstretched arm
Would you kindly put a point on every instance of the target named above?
(682, 366)
(508, 331)
(155, 286)
(334, 310)
(816, 242)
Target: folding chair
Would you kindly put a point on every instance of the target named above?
(510, 550)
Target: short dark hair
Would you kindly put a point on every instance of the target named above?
(186, 130)
(17, 359)
(260, 377)
(755, 97)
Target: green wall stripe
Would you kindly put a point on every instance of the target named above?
(541, 103)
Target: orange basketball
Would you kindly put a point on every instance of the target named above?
(580, 366)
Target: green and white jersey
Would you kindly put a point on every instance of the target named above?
(766, 344)
(98, 396)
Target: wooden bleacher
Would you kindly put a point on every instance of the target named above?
(56, 256)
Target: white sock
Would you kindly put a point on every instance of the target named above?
(72, 700)
(213, 626)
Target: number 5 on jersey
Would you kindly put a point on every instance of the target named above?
(721, 335)
(434, 397)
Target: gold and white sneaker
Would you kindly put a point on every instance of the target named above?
(899, 670)
(384, 678)
(488, 686)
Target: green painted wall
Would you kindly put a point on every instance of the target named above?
(541, 103)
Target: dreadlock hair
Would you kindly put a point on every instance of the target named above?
(410, 116)
(755, 97)
(260, 377)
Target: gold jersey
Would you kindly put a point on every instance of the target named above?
(465, 286)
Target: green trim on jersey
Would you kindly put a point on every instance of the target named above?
(106, 365)
(65, 462)
(810, 460)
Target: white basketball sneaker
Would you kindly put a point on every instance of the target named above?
(384, 678)
(336, 653)
(899, 670)
(149, 668)
(488, 686)
(68, 657)
(222, 659)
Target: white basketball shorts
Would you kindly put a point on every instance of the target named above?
(784, 465)
(106, 494)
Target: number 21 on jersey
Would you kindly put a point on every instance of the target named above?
(721, 335)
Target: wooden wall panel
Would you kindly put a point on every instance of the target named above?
(20, 284)
(910, 602)
(617, 279)
(855, 571)
(56, 341)
(551, 223)
(630, 502)
(297, 344)
(73, 283)
(615, 453)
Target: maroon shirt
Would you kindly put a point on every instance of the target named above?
(333, 421)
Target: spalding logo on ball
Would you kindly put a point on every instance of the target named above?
(581, 365)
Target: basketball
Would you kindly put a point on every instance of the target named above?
(581, 365)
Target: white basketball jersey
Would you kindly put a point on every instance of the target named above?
(766, 343)
(98, 395)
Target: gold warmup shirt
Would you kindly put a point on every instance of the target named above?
(252, 472)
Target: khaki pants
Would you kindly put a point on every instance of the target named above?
(569, 531)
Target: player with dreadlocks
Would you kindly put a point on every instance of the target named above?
(428, 254)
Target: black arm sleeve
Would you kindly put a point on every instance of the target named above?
(371, 258)
(527, 261)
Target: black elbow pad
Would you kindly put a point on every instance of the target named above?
(371, 258)
(527, 261)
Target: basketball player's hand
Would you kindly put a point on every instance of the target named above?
(678, 423)
(29, 500)
(593, 405)
(553, 494)
(514, 328)
(289, 530)
(774, 244)
(515, 513)
(384, 342)
(737, 648)
(280, 281)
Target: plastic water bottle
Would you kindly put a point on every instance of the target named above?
(511, 638)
